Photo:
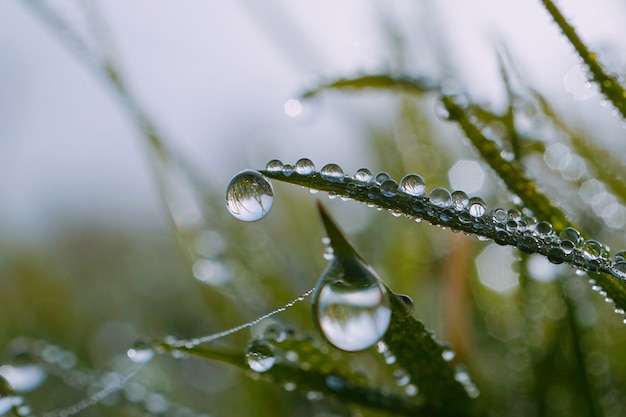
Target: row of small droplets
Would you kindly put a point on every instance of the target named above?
(36, 359)
(460, 212)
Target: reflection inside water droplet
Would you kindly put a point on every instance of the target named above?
(440, 197)
(412, 184)
(260, 356)
(249, 196)
(141, 352)
(351, 317)
(305, 166)
(363, 176)
(332, 173)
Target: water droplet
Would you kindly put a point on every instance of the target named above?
(381, 176)
(332, 173)
(314, 395)
(543, 228)
(412, 184)
(275, 332)
(556, 255)
(440, 197)
(141, 352)
(401, 377)
(447, 354)
(619, 269)
(288, 170)
(460, 200)
(620, 256)
(500, 215)
(305, 166)
(527, 244)
(260, 356)
(335, 383)
(411, 390)
(389, 188)
(351, 306)
(406, 303)
(249, 196)
(618, 310)
(441, 111)
(567, 246)
(476, 207)
(274, 166)
(571, 234)
(363, 176)
(351, 316)
(292, 107)
(592, 250)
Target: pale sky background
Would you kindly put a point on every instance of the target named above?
(215, 76)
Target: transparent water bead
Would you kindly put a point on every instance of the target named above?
(440, 197)
(460, 200)
(619, 269)
(388, 188)
(363, 176)
(543, 228)
(592, 250)
(305, 167)
(381, 176)
(412, 184)
(249, 196)
(141, 352)
(620, 256)
(476, 207)
(274, 166)
(288, 170)
(332, 173)
(260, 356)
(351, 305)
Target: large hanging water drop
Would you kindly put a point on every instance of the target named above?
(249, 196)
(351, 305)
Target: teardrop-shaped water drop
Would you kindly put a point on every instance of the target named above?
(388, 188)
(351, 306)
(351, 316)
(274, 166)
(141, 352)
(249, 196)
(332, 173)
(412, 184)
(260, 356)
(592, 249)
(363, 176)
(460, 200)
(440, 197)
(305, 167)
(476, 207)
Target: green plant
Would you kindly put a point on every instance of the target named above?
(537, 349)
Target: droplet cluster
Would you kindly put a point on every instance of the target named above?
(459, 212)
